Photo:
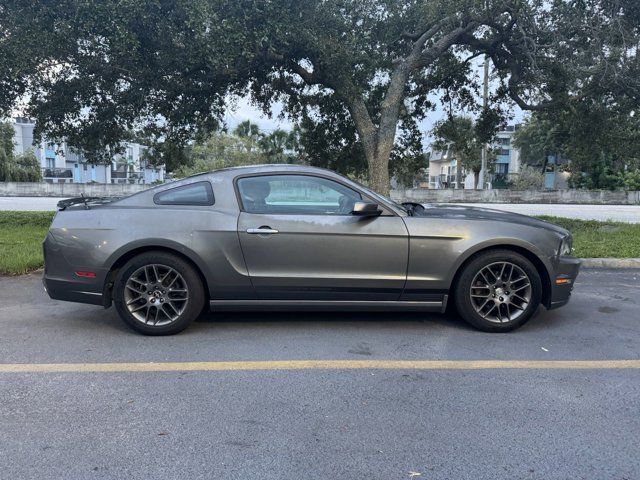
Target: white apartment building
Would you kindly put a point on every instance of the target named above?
(443, 165)
(62, 164)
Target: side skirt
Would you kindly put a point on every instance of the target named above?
(327, 305)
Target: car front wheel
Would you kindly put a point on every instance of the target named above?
(157, 293)
(498, 291)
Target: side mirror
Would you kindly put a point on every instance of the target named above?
(366, 209)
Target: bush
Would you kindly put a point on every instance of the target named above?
(529, 178)
(631, 180)
(20, 168)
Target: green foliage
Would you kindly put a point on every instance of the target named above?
(221, 150)
(600, 139)
(21, 168)
(21, 236)
(593, 239)
(464, 139)
(6, 152)
(25, 219)
(537, 138)
(598, 174)
(28, 168)
(331, 141)
(528, 178)
(247, 145)
(94, 71)
(631, 180)
(6, 140)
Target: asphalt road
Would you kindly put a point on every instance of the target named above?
(621, 213)
(322, 423)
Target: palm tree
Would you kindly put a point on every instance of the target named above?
(275, 145)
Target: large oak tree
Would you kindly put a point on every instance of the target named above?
(93, 71)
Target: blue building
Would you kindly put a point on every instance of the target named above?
(60, 163)
(507, 163)
(443, 165)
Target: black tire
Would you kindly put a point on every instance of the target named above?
(186, 312)
(468, 309)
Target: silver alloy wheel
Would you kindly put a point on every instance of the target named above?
(156, 294)
(501, 292)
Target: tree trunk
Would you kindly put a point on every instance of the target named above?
(377, 143)
(378, 140)
(379, 173)
(458, 172)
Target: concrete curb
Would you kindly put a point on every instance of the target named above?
(610, 262)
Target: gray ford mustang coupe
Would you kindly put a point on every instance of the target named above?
(294, 237)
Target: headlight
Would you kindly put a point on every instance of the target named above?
(566, 246)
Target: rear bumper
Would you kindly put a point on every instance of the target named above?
(61, 281)
(566, 272)
(70, 291)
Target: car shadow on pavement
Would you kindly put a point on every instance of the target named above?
(300, 318)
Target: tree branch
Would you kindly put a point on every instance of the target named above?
(310, 78)
(428, 56)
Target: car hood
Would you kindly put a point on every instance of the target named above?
(476, 213)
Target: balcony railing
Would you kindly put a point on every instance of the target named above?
(57, 173)
(443, 180)
(131, 175)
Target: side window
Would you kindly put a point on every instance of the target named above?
(199, 193)
(296, 194)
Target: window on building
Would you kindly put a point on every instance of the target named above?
(504, 151)
(502, 168)
(199, 193)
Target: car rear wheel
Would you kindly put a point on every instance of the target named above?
(157, 293)
(498, 291)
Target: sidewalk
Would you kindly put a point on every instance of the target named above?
(619, 213)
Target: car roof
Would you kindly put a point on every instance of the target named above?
(271, 167)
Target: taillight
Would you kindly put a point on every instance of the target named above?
(86, 274)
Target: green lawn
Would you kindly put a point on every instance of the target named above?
(593, 239)
(22, 233)
(21, 236)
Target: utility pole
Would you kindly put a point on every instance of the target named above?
(485, 101)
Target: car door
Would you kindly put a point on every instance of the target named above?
(301, 242)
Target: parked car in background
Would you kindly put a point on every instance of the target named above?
(295, 237)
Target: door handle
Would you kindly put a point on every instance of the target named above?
(264, 230)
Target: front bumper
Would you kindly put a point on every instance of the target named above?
(563, 281)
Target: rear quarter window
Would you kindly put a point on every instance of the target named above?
(199, 193)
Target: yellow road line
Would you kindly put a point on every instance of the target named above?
(319, 364)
